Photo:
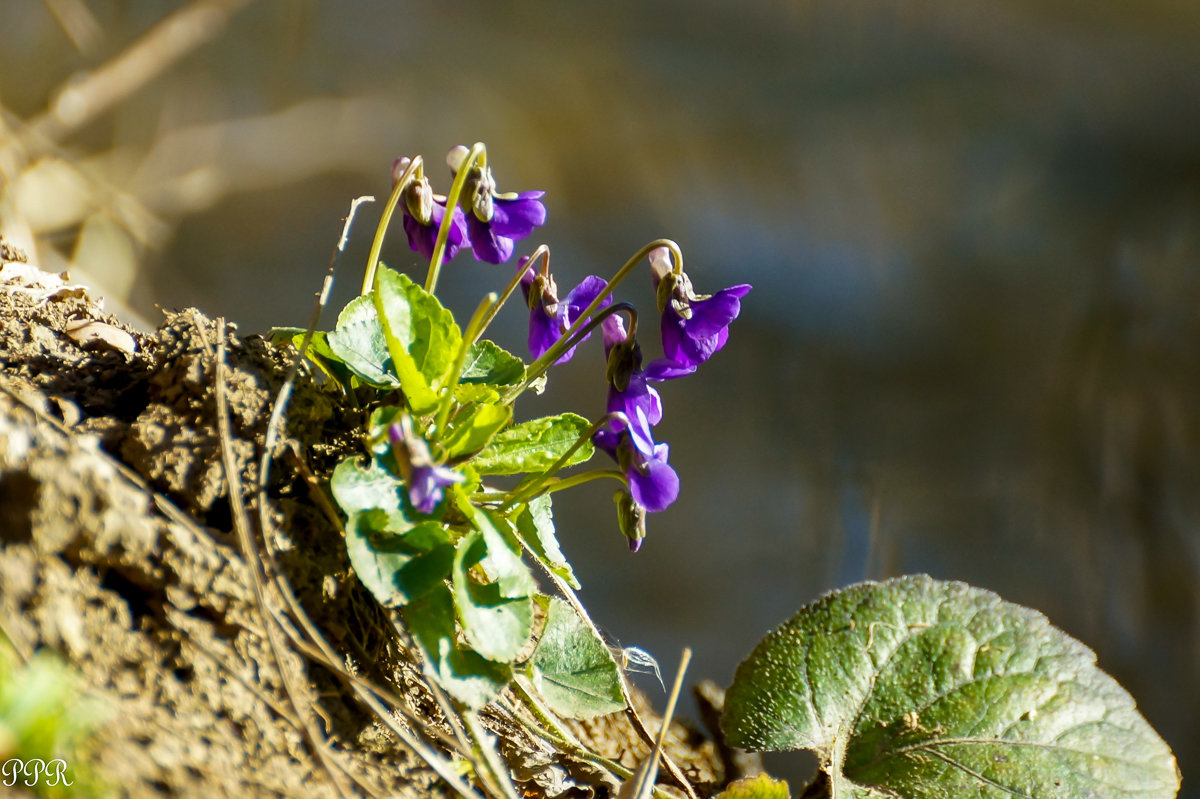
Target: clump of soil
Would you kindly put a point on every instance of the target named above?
(118, 550)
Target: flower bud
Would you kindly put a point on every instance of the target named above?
(418, 199)
(482, 187)
(660, 263)
(663, 275)
(624, 359)
(424, 479)
(456, 157)
(398, 168)
(631, 518)
(543, 293)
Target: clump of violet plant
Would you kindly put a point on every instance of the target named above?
(428, 530)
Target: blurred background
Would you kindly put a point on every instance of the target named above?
(973, 228)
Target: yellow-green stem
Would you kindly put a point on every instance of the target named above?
(385, 220)
(470, 336)
(535, 487)
(478, 153)
(543, 252)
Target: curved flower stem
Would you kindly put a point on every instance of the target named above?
(414, 169)
(560, 483)
(571, 338)
(542, 252)
(535, 485)
(539, 367)
(477, 154)
(470, 336)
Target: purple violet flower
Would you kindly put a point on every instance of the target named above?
(424, 212)
(653, 484)
(424, 478)
(425, 486)
(694, 326)
(652, 481)
(629, 391)
(514, 216)
(495, 221)
(549, 317)
(422, 236)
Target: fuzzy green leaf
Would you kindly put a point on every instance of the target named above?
(535, 524)
(535, 445)
(421, 336)
(466, 675)
(496, 626)
(397, 565)
(358, 341)
(920, 688)
(489, 363)
(473, 427)
(572, 669)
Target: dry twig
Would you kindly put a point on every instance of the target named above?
(241, 524)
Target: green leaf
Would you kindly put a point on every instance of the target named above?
(467, 393)
(466, 675)
(360, 488)
(318, 352)
(324, 358)
(535, 524)
(421, 336)
(572, 669)
(488, 363)
(920, 688)
(503, 562)
(535, 445)
(397, 566)
(473, 427)
(497, 627)
(358, 341)
(762, 786)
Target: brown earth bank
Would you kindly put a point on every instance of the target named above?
(119, 551)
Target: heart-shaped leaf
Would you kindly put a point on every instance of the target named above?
(572, 669)
(420, 335)
(488, 363)
(358, 341)
(422, 325)
(920, 688)
(359, 486)
(534, 446)
(470, 678)
(397, 565)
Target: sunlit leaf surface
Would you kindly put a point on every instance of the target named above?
(919, 688)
